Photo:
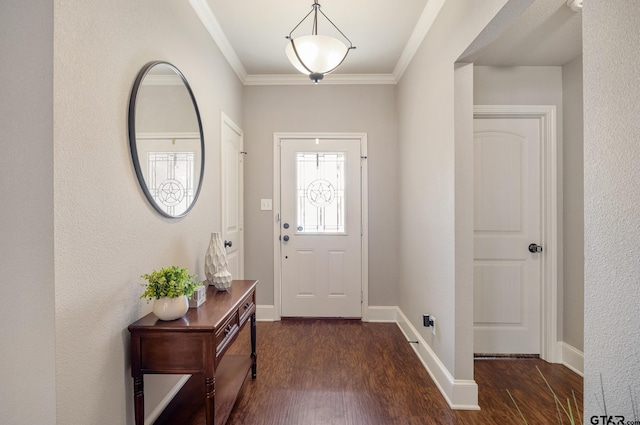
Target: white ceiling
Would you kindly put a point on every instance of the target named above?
(548, 33)
(251, 34)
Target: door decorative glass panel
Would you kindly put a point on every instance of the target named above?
(171, 180)
(321, 192)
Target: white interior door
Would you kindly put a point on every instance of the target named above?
(321, 228)
(507, 219)
(231, 158)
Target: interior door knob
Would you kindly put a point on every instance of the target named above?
(227, 244)
(535, 248)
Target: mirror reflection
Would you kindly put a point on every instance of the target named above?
(165, 134)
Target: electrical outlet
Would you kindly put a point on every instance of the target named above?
(429, 321)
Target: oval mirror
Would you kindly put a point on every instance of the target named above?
(165, 136)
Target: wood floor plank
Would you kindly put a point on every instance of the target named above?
(319, 372)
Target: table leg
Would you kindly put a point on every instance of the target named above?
(138, 399)
(210, 391)
(254, 356)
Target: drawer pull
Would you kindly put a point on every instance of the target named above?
(247, 304)
(227, 330)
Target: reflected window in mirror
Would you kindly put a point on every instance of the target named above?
(165, 134)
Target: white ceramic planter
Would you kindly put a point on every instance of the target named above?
(170, 308)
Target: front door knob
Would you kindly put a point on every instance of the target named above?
(285, 238)
(535, 248)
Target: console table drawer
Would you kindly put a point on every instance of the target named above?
(162, 352)
(247, 307)
(226, 333)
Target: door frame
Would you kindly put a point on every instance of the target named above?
(225, 120)
(364, 214)
(551, 237)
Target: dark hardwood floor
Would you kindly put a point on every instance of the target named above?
(342, 372)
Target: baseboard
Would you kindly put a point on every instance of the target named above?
(571, 357)
(266, 313)
(460, 394)
(384, 314)
(155, 413)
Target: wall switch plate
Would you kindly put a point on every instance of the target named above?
(266, 205)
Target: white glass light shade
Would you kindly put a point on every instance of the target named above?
(320, 53)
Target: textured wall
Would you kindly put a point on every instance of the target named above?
(611, 42)
(27, 371)
(323, 108)
(106, 233)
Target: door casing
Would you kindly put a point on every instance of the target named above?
(551, 236)
(277, 272)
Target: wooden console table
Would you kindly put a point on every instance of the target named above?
(196, 344)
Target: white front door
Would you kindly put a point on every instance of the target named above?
(321, 227)
(507, 219)
(232, 158)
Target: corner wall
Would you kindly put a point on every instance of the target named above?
(27, 351)
(611, 42)
(434, 270)
(573, 202)
(106, 233)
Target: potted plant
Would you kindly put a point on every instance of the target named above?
(170, 288)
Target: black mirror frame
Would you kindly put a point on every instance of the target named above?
(132, 135)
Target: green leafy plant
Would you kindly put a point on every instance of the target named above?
(169, 282)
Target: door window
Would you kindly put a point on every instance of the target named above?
(320, 192)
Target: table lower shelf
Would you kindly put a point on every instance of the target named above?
(187, 407)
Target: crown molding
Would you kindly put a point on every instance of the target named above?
(210, 22)
(428, 16)
(331, 79)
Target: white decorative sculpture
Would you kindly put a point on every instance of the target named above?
(215, 264)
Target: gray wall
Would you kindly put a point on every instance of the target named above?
(323, 108)
(611, 42)
(27, 353)
(435, 273)
(77, 231)
(573, 223)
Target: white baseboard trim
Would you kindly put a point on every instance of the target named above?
(571, 357)
(149, 420)
(383, 314)
(266, 313)
(460, 394)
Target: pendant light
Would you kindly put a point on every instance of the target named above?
(316, 55)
